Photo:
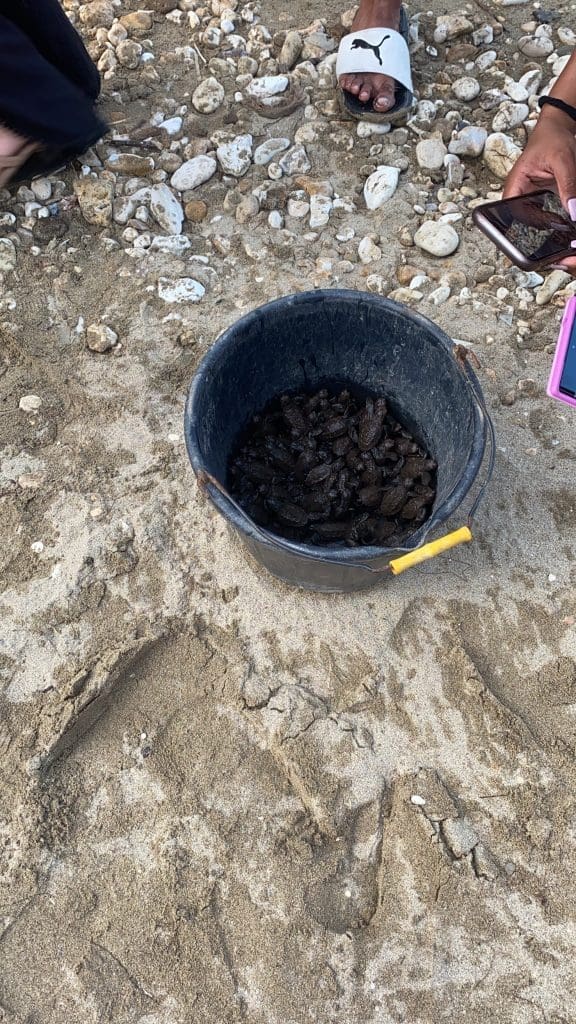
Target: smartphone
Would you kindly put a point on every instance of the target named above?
(562, 383)
(532, 230)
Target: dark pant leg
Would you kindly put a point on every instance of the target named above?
(50, 32)
(38, 101)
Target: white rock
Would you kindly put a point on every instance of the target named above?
(559, 65)
(295, 161)
(556, 280)
(298, 208)
(368, 251)
(486, 60)
(30, 403)
(269, 85)
(42, 189)
(449, 26)
(100, 338)
(172, 126)
(459, 834)
(500, 154)
(531, 81)
(381, 186)
(436, 238)
(516, 91)
(510, 115)
(8, 256)
(176, 245)
(269, 150)
(166, 209)
(418, 800)
(275, 219)
(469, 141)
(184, 289)
(320, 209)
(208, 96)
(291, 50)
(235, 156)
(193, 173)
(440, 295)
(538, 47)
(466, 89)
(483, 36)
(430, 153)
(365, 129)
(567, 36)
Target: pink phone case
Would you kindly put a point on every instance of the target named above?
(553, 389)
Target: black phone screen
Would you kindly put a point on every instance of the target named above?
(568, 379)
(537, 225)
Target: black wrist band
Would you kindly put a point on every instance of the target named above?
(552, 101)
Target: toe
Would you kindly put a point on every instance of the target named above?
(384, 95)
(351, 83)
(365, 93)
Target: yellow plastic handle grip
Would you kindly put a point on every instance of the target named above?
(435, 547)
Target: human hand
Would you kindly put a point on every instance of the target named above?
(548, 161)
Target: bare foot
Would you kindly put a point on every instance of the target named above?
(378, 88)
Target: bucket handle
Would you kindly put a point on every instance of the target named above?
(463, 535)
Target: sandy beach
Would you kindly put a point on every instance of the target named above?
(223, 799)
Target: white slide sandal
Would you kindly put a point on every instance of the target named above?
(377, 51)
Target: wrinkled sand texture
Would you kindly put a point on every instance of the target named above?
(205, 777)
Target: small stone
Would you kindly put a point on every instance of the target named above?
(275, 220)
(130, 163)
(516, 91)
(268, 85)
(466, 89)
(430, 153)
(30, 403)
(137, 21)
(483, 36)
(295, 161)
(99, 13)
(269, 150)
(381, 186)
(418, 800)
(459, 835)
(235, 156)
(42, 189)
(537, 47)
(166, 209)
(368, 251)
(195, 211)
(500, 154)
(320, 209)
(469, 141)
(298, 208)
(8, 256)
(509, 116)
(531, 81)
(208, 96)
(556, 280)
(450, 26)
(184, 289)
(193, 173)
(291, 50)
(437, 238)
(247, 208)
(440, 295)
(100, 338)
(95, 200)
(128, 53)
(567, 36)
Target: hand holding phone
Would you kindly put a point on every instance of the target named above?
(533, 230)
(562, 383)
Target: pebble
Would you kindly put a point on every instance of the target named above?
(500, 154)
(95, 200)
(100, 338)
(208, 96)
(437, 238)
(298, 208)
(184, 289)
(269, 85)
(137, 21)
(556, 280)
(368, 251)
(381, 186)
(466, 89)
(320, 209)
(128, 53)
(247, 208)
(440, 295)
(195, 211)
(469, 141)
(291, 50)
(30, 403)
(537, 47)
(449, 26)
(295, 161)
(275, 220)
(516, 91)
(430, 153)
(193, 173)
(269, 150)
(166, 209)
(8, 257)
(509, 116)
(42, 189)
(235, 156)
(130, 163)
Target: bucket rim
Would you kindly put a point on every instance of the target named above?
(333, 552)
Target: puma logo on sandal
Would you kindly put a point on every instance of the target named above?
(361, 44)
